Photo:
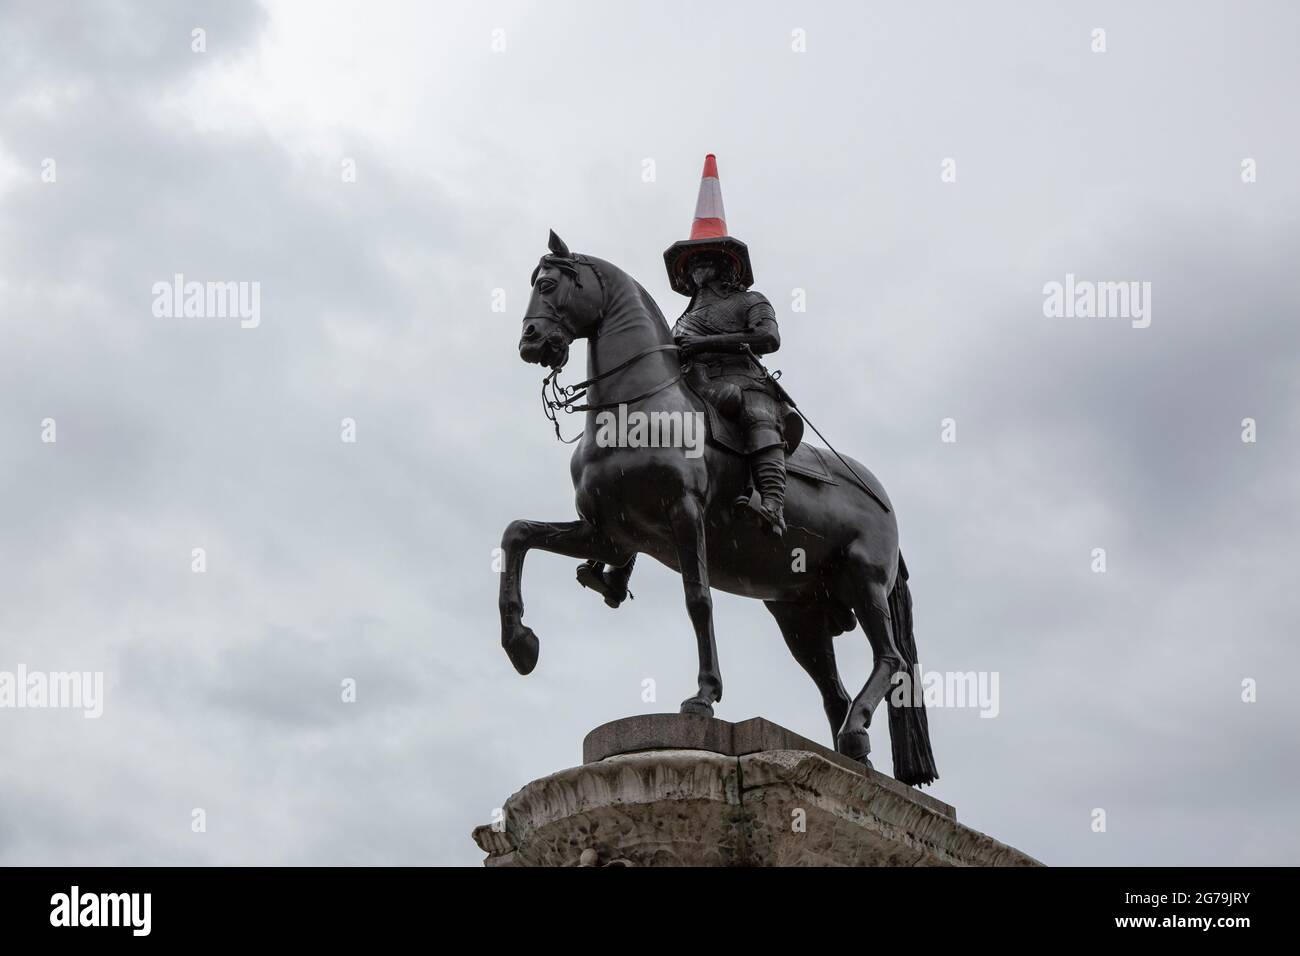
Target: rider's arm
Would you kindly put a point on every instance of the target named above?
(762, 327)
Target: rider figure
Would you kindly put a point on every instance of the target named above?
(718, 335)
(722, 328)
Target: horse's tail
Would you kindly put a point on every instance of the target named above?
(909, 730)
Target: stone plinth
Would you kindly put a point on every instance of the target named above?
(682, 790)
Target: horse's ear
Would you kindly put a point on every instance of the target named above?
(557, 246)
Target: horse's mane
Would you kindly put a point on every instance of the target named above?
(623, 294)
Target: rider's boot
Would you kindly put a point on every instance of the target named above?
(768, 466)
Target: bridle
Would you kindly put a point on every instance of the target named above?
(557, 397)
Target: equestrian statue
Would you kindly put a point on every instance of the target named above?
(761, 513)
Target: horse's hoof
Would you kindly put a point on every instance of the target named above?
(696, 705)
(855, 744)
(522, 647)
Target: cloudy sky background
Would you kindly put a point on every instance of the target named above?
(373, 560)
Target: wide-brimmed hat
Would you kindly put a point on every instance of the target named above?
(708, 234)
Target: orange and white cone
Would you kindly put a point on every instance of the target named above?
(708, 234)
(710, 218)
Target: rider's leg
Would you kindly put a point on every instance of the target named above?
(765, 448)
(764, 426)
(768, 471)
(768, 466)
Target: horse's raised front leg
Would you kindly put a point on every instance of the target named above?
(687, 518)
(577, 539)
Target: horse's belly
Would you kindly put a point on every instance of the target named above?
(762, 585)
(749, 562)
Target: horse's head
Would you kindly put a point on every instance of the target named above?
(562, 307)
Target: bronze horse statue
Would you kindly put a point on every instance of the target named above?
(837, 562)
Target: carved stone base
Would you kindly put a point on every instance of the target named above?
(681, 790)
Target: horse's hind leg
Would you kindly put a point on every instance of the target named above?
(809, 631)
(687, 518)
(871, 604)
(577, 539)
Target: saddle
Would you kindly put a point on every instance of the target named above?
(806, 461)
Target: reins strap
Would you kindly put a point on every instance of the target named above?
(622, 365)
(565, 396)
(627, 401)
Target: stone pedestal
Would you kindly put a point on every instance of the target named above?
(681, 790)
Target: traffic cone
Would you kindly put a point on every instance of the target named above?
(708, 234)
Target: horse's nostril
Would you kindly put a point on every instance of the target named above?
(530, 331)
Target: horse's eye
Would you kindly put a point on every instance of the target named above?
(547, 286)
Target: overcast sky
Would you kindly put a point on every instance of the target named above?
(372, 560)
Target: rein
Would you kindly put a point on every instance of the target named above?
(566, 397)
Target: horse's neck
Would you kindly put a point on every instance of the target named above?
(629, 328)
